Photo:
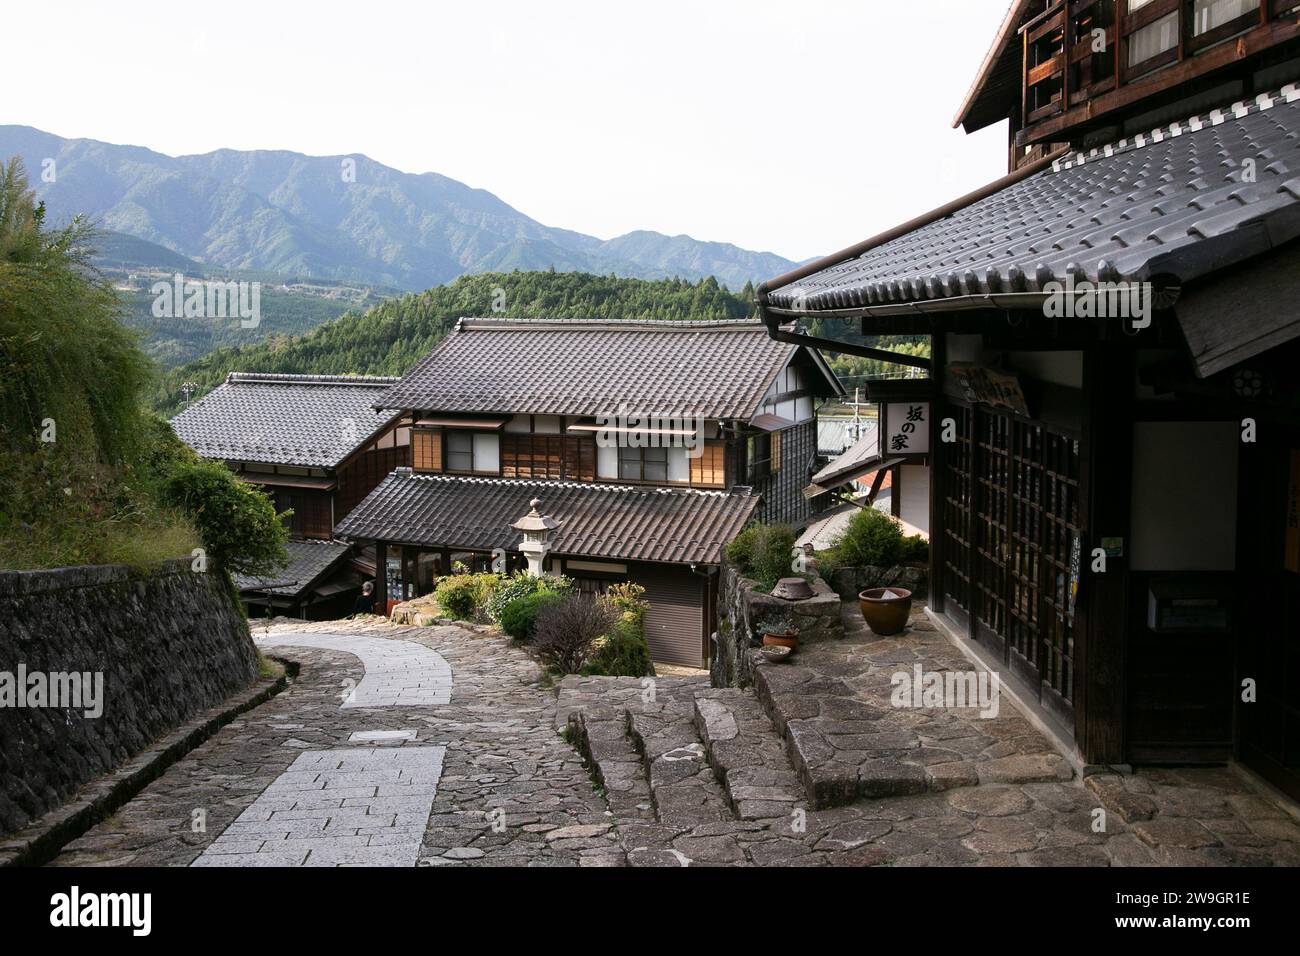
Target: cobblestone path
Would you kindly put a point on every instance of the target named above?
(394, 746)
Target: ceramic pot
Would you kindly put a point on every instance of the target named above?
(886, 615)
(790, 640)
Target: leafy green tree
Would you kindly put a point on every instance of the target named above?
(241, 532)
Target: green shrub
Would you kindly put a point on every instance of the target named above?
(916, 550)
(874, 539)
(464, 595)
(621, 653)
(521, 584)
(237, 522)
(764, 553)
(519, 617)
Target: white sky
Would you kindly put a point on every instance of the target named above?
(791, 127)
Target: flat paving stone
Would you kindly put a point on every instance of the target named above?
(398, 673)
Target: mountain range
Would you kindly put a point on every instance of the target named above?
(341, 218)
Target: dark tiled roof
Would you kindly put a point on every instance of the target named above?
(308, 561)
(1172, 202)
(620, 522)
(305, 420)
(545, 367)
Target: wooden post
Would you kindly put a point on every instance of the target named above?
(938, 459)
(1105, 503)
(381, 578)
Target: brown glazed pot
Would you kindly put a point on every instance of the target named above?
(790, 640)
(884, 615)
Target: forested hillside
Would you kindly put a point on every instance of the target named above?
(389, 338)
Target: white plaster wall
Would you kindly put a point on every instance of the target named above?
(914, 497)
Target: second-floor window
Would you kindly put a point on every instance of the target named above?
(460, 451)
(453, 450)
(763, 455)
(643, 464)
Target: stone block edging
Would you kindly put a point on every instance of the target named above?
(41, 841)
(16, 583)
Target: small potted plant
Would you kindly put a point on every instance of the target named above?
(778, 630)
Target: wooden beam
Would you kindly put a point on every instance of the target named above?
(1101, 610)
(381, 578)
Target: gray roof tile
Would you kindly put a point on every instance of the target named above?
(1127, 211)
(303, 420)
(569, 367)
(619, 522)
(308, 560)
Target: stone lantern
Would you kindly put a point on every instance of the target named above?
(537, 529)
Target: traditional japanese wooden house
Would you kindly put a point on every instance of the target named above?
(318, 447)
(1115, 414)
(652, 444)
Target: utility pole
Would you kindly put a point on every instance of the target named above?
(188, 389)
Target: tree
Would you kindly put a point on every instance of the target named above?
(241, 532)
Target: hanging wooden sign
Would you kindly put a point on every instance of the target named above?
(907, 428)
(982, 385)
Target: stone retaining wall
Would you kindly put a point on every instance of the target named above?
(739, 605)
(169, 643)
(850, 582)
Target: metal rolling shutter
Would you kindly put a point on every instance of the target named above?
(674, 625)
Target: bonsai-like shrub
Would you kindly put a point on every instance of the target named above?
(519, 617)
(463, 595)
(764, 553)
(521, 584)
(567, 627)
(623, 652)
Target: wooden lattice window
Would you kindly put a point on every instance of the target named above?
(709, 469)
(992, 548)
(533, 456)
(426, 449)
(958, 495)
(1011, 539)
(580, 459)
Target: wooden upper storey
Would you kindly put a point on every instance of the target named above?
(1067, 71)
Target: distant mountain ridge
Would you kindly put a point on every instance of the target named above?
(345, 218)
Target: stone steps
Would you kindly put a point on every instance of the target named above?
(682, 784)
(746, 754)
(601, 735)
(844, 748)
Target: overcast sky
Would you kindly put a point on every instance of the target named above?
(790, 127)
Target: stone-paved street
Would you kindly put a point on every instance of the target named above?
(441, 746)
(508, 791)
